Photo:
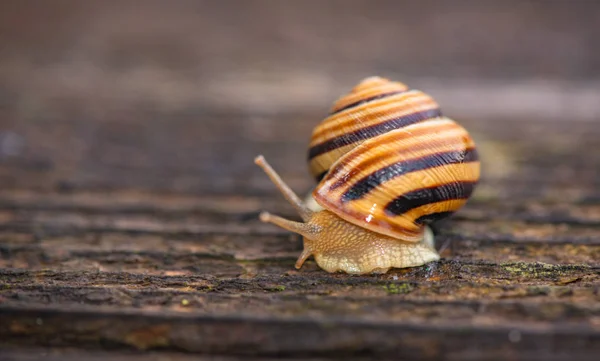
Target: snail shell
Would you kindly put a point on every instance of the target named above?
(389, 161)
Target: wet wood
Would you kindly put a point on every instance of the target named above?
(149, 268)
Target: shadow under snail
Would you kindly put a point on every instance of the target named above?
(388, 164)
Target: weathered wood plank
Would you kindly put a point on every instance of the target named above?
(73, 354)
(173, 260)
(176, 156)
(337, 337)
(506, 293)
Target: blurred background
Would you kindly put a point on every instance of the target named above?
(181, 95)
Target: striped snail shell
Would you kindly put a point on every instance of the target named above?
(388, 163)
(388, 160)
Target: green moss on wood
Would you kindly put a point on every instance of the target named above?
(275, 288)
(539, 269)
(399, 288)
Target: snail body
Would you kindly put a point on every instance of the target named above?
(388, 163)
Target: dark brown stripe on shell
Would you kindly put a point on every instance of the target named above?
(423, 196)
(433, 217)
(371, 181)
(372, 131)
(372, 160)
(362, 101)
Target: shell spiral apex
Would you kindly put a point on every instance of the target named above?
(387, 162)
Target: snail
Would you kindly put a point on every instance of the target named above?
(387, 163)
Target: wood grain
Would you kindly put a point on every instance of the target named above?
(167, 268)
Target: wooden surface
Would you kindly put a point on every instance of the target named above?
(128, 211)
(131, 266)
